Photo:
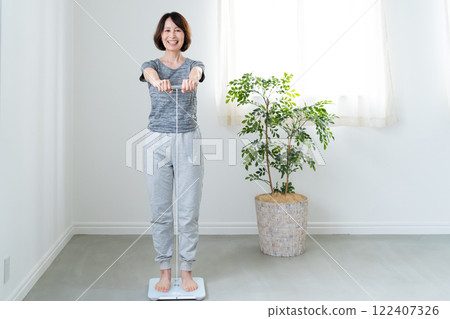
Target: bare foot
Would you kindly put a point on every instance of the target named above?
(187, 282)
(164, 283)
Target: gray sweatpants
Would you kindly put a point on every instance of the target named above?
(173, 164)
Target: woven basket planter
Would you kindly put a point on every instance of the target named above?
(282, 224)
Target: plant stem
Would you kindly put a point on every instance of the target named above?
(287, 175)
(287, 163)
(267, 145)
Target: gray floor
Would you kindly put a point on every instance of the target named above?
(388, 267)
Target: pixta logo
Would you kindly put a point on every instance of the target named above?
(142, 147)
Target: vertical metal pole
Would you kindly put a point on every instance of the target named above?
(176, 185)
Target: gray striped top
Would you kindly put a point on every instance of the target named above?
(162, 117)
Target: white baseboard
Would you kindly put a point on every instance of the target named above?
(250, 228)
(41, 266)
(378, 228)
(96, 228)
(140, 228)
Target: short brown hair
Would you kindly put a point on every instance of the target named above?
(181, 22)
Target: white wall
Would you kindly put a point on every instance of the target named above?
(35, 138)
(387, 180)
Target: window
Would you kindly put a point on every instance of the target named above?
(447, 21)
(335, 49)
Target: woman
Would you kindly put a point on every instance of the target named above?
(173, 132)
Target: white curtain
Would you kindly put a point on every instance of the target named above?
(447, 19)
(337, 50)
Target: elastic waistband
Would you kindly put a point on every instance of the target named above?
(196, 129)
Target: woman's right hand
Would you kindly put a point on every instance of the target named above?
(163, 86)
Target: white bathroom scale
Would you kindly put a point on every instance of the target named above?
(176, 292)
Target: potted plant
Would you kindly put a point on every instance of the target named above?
(281, 145)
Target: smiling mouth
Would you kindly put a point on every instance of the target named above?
(172, 42)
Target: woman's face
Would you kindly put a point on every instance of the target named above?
(172, 36)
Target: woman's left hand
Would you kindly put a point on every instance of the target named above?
(189, 85)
